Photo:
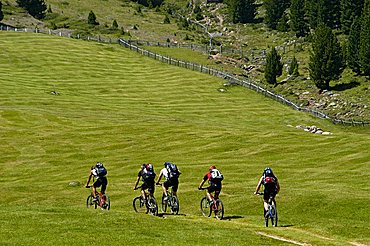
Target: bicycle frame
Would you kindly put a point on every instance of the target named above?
(216, 207)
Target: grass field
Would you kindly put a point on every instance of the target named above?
(122, 109)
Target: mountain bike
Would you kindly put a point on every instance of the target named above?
(148, 206)
(170, 201)
(216, 206)
(271, 213)
(99, 201)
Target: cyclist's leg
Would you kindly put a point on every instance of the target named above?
(175, 187)
(144, 187)
(104, 183)
(266, 197)
(97, 184)
(165, 187)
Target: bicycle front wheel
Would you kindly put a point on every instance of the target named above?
(175, 208)
(219, 209)
(204, 207)
(90, 203)
(164, 204)
(139, 205)
(152, 206)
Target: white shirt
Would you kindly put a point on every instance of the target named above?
(164, 172)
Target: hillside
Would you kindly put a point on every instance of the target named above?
(104, 103)
(349, 96)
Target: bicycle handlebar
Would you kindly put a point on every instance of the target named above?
(88, 186)
(259, 194)
(202, 188)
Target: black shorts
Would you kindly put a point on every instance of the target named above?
(268, 194)
(174, 183)
(150, 186)
(216, 188)
(103, 182)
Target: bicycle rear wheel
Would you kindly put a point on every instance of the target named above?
(90, 203)
(219, 209)
(152, 206)
(164, 204)
(139, 205)
(175, 206)
(106, 205)
(204, 207)
(274, 219)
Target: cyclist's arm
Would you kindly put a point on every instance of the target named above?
(159, 178)
(258, 185)
(277, 187)
(201, 184)
(137, 181)
(89, 179)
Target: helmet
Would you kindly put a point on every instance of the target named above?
(268, 171)
(211, 168)
(166, 164)
(149, 167)
(99, 164)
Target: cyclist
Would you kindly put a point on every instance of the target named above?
(271, 187)
(171, 173)
(147, 175)
(99, 172)
(214, 178)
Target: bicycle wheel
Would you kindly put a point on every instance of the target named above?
(175, 206)
(89, 201)
(139, 205)
(275, 223)
(204, 207)
(164, 204)
(219, 209)
(152, 206)
(106, 205)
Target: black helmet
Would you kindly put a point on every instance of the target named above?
(99, 164)
(268, 172)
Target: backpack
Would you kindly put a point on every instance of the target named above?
(101, 171)
(148, 175)
(216, 176)
(270, 183)
(173, 171)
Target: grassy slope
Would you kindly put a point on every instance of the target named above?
(123, 109)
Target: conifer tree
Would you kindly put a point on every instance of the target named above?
(293, 69)
(326, 59)
(349, 10)
(242, 11)
(274, 11)
(114, 25)
(297, 18)
(91, 19)
(274, 67)
(36, 8)
(364, 51)
(1, 12)
(354, 46)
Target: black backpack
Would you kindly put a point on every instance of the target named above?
(147, 175)
(269, 183)
(101, 171)
(216, 175)
(173, 171)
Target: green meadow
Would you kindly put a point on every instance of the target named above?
(66, 104)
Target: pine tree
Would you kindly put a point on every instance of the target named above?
(364, 51)
(326, 59)
(36, 8)
(242, 11)
(274, 67)
(354, 46)
(328, 12)
(293, 69)
(349, 10)
(1, 12)
(92, 19)
(297, 18)
(114, 25)
(274, 11)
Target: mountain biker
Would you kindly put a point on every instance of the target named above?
(271, 187)
(171, 173)
(214, 178)
(99, 172)
(147, 175)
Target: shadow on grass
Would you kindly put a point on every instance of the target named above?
(233, 217)
(169, 214)
(285, 225)
(345, 86)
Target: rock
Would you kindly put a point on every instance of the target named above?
(74, 183)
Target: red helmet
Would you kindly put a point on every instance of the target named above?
(211, 168)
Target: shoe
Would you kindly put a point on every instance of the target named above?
(165, 198)
(95, 199)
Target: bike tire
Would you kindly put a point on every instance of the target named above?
(139, 205)
(152, 206)
(219, 212)
(204, 207)
(107, 202)
(164, 204)
(175, 206)
(276, 218)
(89, 201)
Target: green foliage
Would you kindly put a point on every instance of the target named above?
(49, 10)
(149, 3)
(114, 25)
(35, 8)
(283, 25)
(328, 12)
(353, 46)
(274, 11)
(364, 51)
(326, 59)
(293, 69)
(1, 12)
(349, 10)
(242, 11)
(166, 20)
(273, 67)
(199, 16)
(298, 23)
(91, 20)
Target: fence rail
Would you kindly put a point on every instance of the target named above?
(192, 66)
